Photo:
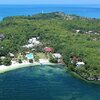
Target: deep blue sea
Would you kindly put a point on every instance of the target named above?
(92, 11)
(45, 83)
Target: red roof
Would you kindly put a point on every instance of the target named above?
(48, 49)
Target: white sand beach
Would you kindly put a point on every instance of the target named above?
(4, 68)
(15, 66)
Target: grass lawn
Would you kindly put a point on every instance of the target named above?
(41, 55)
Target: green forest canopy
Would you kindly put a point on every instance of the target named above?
(58, 31)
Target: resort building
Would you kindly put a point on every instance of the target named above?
(57, 55)
(80, 64)
(28, 46)
(11, 55)
(34, 41)
(48, 49)
(1, 37)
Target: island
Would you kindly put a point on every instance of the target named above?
(55, 38)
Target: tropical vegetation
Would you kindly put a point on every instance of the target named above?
(70, 35)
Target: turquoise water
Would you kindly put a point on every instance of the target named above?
(29, 56)
(45, 83)
(92, 11)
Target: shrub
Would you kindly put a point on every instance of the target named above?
(7, 61)
(31, 60)
(0, 61)
(20, 61)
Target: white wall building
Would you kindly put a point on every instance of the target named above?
(57, 55)
(80, 64)
(28, 46)
(33, 41)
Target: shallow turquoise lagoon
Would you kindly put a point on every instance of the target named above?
(45, 83)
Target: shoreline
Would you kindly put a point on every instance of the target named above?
(4, 68)
(75, 75)
(12, 67)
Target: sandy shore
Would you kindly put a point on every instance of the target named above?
(4, 69)
(15, 66)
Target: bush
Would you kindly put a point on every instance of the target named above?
(82, 71)
(36, 58)
(20, 61)
(71, 67)
(0, 61)
(53, 60)
(31, 60)
(7, 61)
